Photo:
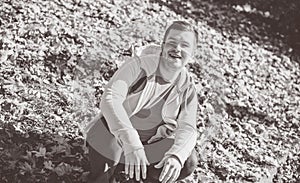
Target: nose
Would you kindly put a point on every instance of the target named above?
(178, 47)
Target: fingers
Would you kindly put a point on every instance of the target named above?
(137, 172)
(126, 168)
(160, 164)
(131, 170)
(171, 176)
(168, 175)
(139, 168)
(144, 171)
(164, 171)
(170, 172)
(152, 139)
(174, 176)
(136, 165)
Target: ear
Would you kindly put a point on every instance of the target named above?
(194, 51)
(162, 46)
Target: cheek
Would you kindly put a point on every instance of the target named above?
(185, 54)
(188, 54)
(185, 58)
(165, 51)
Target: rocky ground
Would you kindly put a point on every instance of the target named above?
(56, 56)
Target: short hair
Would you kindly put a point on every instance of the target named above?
(183, 26)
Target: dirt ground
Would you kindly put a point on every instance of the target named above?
(56, 56)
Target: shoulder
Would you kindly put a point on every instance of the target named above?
(149, 58)
(186, 81)
(148, 50)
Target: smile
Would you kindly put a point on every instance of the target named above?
(174, 55)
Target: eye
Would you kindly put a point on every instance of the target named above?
(172, 43)
(185, 45)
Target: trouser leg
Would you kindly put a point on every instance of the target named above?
(103, 149)
(106, 149)
(155, 152)
(98, 165)
(188, 168)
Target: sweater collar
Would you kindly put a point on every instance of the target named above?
(149, 63)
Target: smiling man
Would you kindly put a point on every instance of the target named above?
(148, 119)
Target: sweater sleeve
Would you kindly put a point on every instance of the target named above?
(112, 106)
(186, 132)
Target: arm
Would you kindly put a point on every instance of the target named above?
(185, 141)
(186, 132)
(112, 106)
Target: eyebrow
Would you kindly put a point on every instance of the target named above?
(174, 39)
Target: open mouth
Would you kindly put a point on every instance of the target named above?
(174, 55)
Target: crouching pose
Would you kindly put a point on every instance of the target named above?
(147, 124)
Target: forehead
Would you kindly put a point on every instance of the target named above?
(183, 35)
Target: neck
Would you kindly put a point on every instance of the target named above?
(167, 74)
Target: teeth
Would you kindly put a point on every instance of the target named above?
(174, 55)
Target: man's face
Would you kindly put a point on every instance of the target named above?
(178, 48)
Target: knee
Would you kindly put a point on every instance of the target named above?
(189, 166)
(192, 161)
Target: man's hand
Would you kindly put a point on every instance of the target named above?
(154, 138)
(135, 162)
(171, 169)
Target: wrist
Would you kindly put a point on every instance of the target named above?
(129, 142)
(175, 157)
(133, 151)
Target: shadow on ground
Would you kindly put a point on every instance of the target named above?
(274, 24)
(35, 157)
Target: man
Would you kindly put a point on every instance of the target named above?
(148, 114)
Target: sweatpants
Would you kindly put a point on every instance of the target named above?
(107, 159)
